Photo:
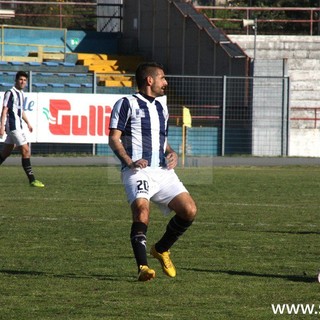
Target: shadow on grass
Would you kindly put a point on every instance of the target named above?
(67, 275)
(295, 278)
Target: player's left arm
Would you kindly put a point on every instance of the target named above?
(172, 157)
(25, 119)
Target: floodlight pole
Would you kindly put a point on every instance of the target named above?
(255, 28)
(254, 24)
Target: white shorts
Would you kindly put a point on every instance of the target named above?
(16, 137)
(159, 185)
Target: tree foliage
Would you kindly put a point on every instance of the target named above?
(270, 22)
(59, 15)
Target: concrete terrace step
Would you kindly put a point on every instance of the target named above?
(269, 45)
(306, 85)
(43, 68)
(62, 77)
(109, 76)
(306, 75)
(283, 54)
(305, 103)
(105, 68)
(273, 47)
(305, 95)
(98, 56)
(304, 64)
(275, 39)
(95, 62)
(116, 83)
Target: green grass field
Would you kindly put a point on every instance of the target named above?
(65, 251)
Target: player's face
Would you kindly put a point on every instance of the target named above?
(159, 84)
(21, 82)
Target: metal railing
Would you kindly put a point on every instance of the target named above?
(108, 16)
(305, 115)
(264, 16)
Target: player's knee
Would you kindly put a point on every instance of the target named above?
(25, 152)
(141, 216)
(140, 213)
(191, 211)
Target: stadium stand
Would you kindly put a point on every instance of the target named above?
(51, 58)
(113, 73)
(111, 70)
(49, 76)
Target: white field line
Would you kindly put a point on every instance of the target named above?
(265, 205)
(112, 200)
(104, 199)
(114, 221)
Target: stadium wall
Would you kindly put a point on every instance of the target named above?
(178, 36)
(22, 41)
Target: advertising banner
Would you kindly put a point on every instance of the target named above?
(68, 118)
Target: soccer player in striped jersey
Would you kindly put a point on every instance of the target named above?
(11, 122)
(138, 137)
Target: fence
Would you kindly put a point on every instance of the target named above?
(271, 20)
(106, 15)
(230, 116)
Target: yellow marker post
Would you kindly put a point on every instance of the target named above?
(186, 122)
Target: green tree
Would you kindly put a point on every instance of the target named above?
(267, 27)
(54, 15)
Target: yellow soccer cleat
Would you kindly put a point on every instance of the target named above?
(37, 184)
(166, 263)
(146, 274)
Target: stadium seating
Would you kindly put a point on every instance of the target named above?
(5, 86)
(76, 74)
(49, 76)
(111, 70)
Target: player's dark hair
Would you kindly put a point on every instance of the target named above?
(146, 69)
(21, 74)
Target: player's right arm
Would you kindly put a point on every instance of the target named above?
(7, 100)
(3, 120)
(118, 149)
(120, 115)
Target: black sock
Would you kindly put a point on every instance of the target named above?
(138, 241)
(28, 169)
(2, 159)
(175, 228)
